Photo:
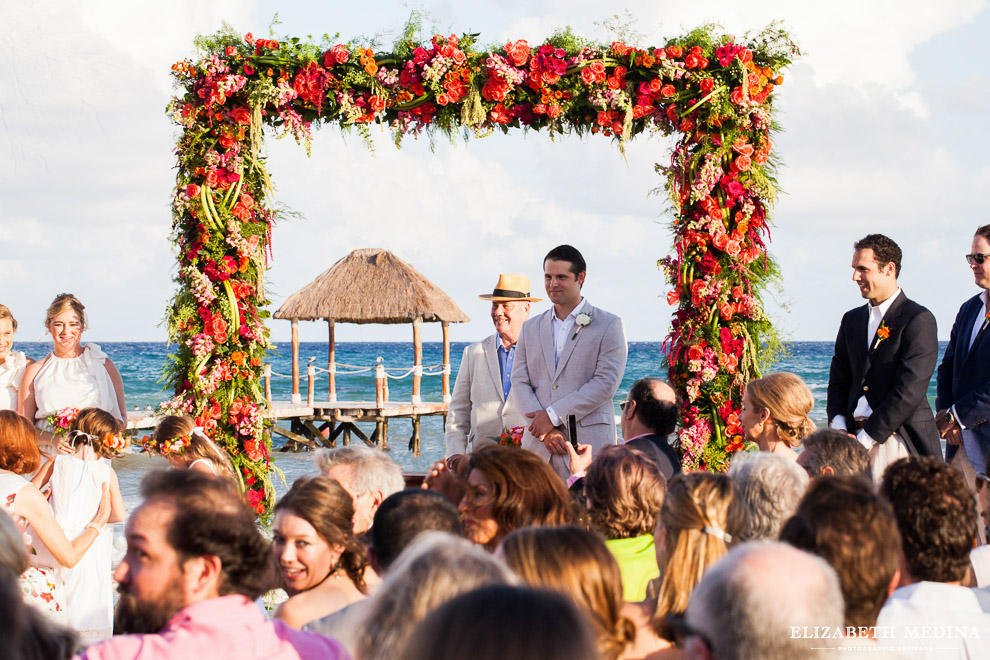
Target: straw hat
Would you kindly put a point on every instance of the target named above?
(511, 287)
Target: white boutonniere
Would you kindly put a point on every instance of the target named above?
(580, 321)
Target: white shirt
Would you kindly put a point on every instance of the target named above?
(561, 332)
(934, 620)
(863, 409)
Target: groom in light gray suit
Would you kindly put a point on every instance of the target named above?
(569, 361)
(478, 412)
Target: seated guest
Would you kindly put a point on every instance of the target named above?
(499, 622)
(828, 452)
(195, 563)
(623, 492)
(750, 603)
(509, 488)
(402, 517)
(936, 516)
(845, 523)
(702, 515)
(434, 569)
(649, 415)
(575, 563)
(771, 486)
(321, 561)
(369, 475)
(775, 413)
(399, 521)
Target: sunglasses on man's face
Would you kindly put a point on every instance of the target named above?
(978, 258)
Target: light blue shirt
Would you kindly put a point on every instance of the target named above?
(505, 358)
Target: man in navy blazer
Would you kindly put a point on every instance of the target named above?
(963, 395)
(885, 355)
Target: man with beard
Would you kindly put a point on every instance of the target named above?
(195, 563)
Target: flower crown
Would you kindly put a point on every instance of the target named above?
(175, 446)
(114, 442)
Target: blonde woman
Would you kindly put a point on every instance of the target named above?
(775, 413)
(700, 518)
(187, 447)
(72, 375)
(575, 563)
(12, 363)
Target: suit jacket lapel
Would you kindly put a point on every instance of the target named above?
(491, 358)
(546, 340)
(967, 328)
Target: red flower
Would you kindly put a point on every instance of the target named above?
(192, 191)
(241, 115)
(707, 85)
(518, 52)
(212, 179)
(667, 91)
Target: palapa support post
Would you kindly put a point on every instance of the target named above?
(295, 361)
(417, 360)
(267, 370)
(331, 365)
(310, 384)
(414, 441)
(380, 396)
(445, 378)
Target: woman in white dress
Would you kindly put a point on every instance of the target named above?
(12, 363)
(48, 546)
(72, 375)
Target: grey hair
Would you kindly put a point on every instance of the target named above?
(771, 486)
(750, 602)
(373, 469)
(435, 568)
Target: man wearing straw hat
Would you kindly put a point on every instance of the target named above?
(478, 410)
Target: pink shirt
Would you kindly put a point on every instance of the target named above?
(226, 628)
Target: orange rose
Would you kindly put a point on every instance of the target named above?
(518, 52)
(673, 297)
(720, 240)
(743, 163)
(241, 115)
(667, 91)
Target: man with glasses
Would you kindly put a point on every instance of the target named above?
(479, 411)
(885, 354)
(963, 394)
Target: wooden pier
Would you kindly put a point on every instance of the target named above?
(325, 423)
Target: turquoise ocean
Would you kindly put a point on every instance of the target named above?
(140, 365)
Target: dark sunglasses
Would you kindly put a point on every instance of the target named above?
(978, 258)
(622, 406)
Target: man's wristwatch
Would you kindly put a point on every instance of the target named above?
(949, 417)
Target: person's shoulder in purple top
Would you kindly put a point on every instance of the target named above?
(219, 628)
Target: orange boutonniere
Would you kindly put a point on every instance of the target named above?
(883, 332)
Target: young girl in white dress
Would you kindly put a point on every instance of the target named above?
(76, 484)
(186, 446)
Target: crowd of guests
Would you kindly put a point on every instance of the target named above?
(853, 541)
(778, 558)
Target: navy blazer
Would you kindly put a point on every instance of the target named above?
(964, 376)
(893, 374)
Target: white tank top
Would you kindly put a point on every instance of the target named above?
(79, 382)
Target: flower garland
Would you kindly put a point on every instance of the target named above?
(714, 92)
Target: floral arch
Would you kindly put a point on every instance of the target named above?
(717, 94)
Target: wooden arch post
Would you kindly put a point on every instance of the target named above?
(417, 360)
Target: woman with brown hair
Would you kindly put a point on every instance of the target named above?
(509, 488)
(623, 491)
(72, 375)
(775, 413)
(321, 561)
(700, 517)
(575, 563)
(49, 547)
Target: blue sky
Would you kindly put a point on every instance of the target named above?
(884, 124)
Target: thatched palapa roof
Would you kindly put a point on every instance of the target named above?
(371, 286)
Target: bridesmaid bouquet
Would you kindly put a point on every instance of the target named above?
(61, 421)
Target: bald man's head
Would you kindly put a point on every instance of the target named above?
(654, 409)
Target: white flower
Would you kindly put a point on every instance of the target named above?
(580, 321)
